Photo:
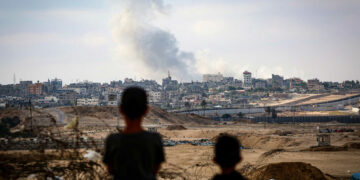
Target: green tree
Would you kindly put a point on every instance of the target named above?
(187, 105)
(240, 114)
(203, 104)
(226, 116)
(231, 88)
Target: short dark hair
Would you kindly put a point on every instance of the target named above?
(134, 102)
(227, 151)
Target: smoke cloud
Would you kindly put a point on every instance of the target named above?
(154, 49)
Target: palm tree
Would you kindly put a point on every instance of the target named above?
(240, 114)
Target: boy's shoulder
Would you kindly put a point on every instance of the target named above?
(143, 134)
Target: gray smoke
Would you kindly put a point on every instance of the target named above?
(157, 49)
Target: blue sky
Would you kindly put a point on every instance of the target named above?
(83, 40)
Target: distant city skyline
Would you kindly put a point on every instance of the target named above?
(101, 41)
(17, 81)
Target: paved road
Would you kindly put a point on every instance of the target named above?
(60, 116)
(322, 106)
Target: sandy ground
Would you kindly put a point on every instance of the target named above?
(196, 161)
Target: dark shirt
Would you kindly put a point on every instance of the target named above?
(232, 176)
(133, 156)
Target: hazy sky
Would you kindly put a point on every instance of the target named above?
(141, 39)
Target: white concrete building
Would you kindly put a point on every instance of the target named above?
(87, 102)
(77, 90)
(51, 99)
(155, 96)
(212, 77)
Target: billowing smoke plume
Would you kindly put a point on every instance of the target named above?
(152, 47)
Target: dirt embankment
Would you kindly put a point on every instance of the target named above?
(39, 118)
(12, 112)
(258, 141)
(155, 115)
(287, 170)
(101, 112)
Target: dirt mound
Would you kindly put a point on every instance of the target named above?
(266, 142)
(269, 154)
(175, 127)
(287, 171)
(326, 148)
(352, 145)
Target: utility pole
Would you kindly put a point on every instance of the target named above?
(31, 119)
(293, 109)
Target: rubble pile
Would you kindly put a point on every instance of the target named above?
(201, 142)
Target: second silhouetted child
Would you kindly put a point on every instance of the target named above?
(227, 156)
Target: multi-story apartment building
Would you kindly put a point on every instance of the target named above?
(247, 80)
(35, 89)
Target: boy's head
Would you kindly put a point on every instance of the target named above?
(227, 151)
(134, 103)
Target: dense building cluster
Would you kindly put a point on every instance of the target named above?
(215, 90)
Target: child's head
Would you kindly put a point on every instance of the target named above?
(227, 151)
(134, 103)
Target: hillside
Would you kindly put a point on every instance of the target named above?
(155, 116)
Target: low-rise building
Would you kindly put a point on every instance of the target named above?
(260, 84)
(66, 97)
(155, 96)
(87, 102)
(277, 81)
(212, 77)
(314, 85)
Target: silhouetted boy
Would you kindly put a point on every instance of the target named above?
(227, 155)
(134, 153)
